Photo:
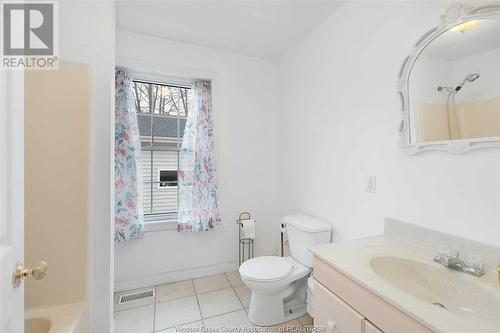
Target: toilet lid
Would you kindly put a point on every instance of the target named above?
(266, 268)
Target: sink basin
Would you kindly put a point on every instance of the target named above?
(36, 325)
(446, 289)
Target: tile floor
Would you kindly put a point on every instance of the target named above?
(213, 301)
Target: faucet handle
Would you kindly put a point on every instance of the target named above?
(474, 265)
(443, 255)
(455, 254)
(474, 261)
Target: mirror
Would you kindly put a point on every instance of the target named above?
(450, 85)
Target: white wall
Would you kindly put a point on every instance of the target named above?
(339, 115)
(245, 113)
(320, 124)
(87, 35)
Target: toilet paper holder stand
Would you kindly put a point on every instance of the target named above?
(245, 245)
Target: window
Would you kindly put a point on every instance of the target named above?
(162, 109)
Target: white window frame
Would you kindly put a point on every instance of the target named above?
(161, 221)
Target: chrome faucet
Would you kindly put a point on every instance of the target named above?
(451, 259)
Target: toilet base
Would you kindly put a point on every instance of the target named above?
(272, 309)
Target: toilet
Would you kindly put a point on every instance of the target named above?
(280, 288)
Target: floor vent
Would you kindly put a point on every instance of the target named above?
(138, 296)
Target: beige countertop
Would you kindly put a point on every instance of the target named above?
(479, 313)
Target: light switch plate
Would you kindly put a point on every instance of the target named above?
(371, 184)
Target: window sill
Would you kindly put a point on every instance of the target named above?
(160, 225)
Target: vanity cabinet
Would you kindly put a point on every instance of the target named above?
(370, 328)
(336, 315)
(333, 313)
(343, 306)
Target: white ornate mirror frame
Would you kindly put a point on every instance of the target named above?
(455, 15)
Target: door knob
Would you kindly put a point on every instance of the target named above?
(20, 273)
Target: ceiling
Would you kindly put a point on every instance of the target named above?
(256, 28)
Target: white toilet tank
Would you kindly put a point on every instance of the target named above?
(303, 233)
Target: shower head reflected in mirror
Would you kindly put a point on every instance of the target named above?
(469, 78)
(472, 77)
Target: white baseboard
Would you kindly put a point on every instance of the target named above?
(178, 275)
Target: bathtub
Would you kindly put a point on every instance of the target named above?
(68, 318)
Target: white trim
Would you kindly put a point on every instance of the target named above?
(162, 70)
(178, 275)
(159, 139)
(175, 71)
(12, 97)
(160, 79)
(455, 15)
(160, 225)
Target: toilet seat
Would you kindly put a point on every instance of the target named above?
(266, 269)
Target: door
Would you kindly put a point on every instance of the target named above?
(11, 198)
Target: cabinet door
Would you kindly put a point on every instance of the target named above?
(332, 313)
(370, 328)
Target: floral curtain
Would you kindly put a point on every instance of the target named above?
(129, 215)
(198, 200)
